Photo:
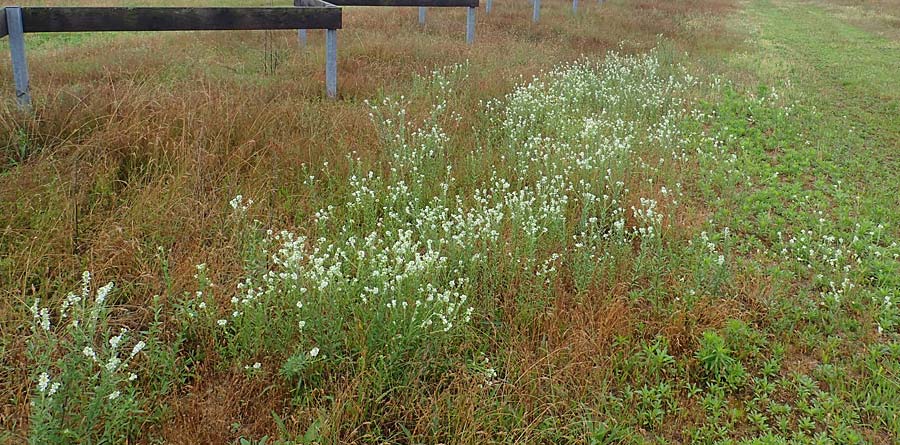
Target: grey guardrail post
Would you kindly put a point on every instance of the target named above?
(488, 6)
(536, 14)
(422, 10)
(331, 63)
(301, 37)
(575, 6)
(470, 26)
(17, 52)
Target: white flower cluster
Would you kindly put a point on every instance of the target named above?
(44, 385)
(837, 263)
(708, 241)
(84, 313)
(240, 205)
(578, 133)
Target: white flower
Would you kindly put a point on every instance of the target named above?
(301, 324)
(45, 319)
(115, 341)
(137, 348)
(70, 300)
(314, 352)
(256, 366)
(53, 388)
(114, 395)
(34, 307)
(85, 284)
(43, 381)
(103, 292)
(113, 363)
(236, 201)
(132, 377)
(222, 322)
(89, 352)
(238, 204)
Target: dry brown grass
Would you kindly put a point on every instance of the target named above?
(140, 140)
(208, 408)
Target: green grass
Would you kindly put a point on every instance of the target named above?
(817, 209)
(850, 75)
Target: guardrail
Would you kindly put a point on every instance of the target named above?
(306, 14)
(316, 14)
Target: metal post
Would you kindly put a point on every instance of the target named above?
(488, 6)
(301, 37)
(331, 63)
(17, 52)
(536, 14)
(575, 6)
(422, 10)
(470, 26)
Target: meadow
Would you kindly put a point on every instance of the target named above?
(650, 222)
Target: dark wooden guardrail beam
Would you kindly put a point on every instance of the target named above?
(77, 19)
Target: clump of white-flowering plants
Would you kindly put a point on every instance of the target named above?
(590, 154)
(84, 385)
(847, 268)
(573, 167)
